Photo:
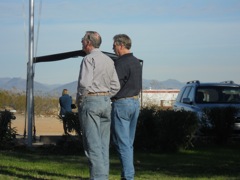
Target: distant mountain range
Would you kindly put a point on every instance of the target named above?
(19, 85)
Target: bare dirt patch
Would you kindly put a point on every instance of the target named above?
(45, 125)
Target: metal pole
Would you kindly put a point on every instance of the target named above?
(141, 92)
(30, 72)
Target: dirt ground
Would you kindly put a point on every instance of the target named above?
(44, 125)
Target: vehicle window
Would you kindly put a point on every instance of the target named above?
(180, 95)
(218, 94)
(191, 94)
(186, 92)
(230, 95)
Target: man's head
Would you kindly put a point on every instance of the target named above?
(121, 44)
(65, 91)
(90, 41)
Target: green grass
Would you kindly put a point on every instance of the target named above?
(221, 163)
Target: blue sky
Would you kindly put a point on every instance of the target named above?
(177, 39)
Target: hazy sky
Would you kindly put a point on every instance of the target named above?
(177, 39)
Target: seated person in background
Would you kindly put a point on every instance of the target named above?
(65, 102)
(200, 97)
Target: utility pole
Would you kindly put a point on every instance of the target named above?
(30, 74)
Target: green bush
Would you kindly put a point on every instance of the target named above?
(222, 120)
(46, 105)
(7, 133)
(157, 129)
(165, 130)
(9, 99)
(176, 129)
(146, 129)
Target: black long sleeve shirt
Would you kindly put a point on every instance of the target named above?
(129, 72)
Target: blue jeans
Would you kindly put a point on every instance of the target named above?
(125, 114)
(95, 120)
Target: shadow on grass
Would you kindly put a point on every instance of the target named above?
(197, 163)
(205, 162)
(12, 171)
(201, 162)
(39, 163)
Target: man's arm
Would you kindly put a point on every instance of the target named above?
(114, 85)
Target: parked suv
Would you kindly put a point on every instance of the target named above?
(196, 96)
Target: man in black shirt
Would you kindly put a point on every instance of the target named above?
(125, 104)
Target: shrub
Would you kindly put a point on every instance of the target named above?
(165, 130)
(145, 133)
(157, 129)
(12, 100)
(176, 129)
(46, 105)
(222, 121)
(7, 133)
(43, 104)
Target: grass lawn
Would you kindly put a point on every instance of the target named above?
(221, 163)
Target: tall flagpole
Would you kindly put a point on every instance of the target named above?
(30, 74)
